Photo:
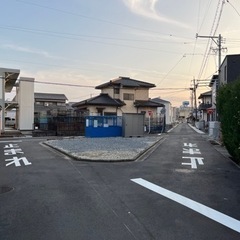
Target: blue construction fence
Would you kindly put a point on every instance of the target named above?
(103, 126)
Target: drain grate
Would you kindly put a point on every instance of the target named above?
(5, 189)
(213, 142)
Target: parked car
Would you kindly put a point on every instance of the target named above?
(10, 121)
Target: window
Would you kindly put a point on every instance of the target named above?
(225, 73)
(116, 90)
(60, 104)
(128, 96)
(39, 103)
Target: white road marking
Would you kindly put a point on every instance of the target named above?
(198, 207)
(10, 141)
(194, 161)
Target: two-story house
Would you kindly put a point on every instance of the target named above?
(49, 104)
(229, 71)
(205, 105)
(118, 96)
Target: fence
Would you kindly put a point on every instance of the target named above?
(154, 125)
(103, 126)
(89, 126)
(59, 126)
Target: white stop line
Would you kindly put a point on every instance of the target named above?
(198, 207)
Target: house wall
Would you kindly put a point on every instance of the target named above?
(94, 112)
(139, 94)
(25, 98)
(230, 69)
(142, 94)
(109, 91)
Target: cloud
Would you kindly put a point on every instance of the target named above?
(147, 8)
(29, 50)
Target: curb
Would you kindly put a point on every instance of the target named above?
(139, 157)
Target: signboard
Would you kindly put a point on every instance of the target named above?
(210, 110)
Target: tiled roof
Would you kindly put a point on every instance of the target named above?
(50, 96)
(148, 103)
(159, 100)
(100, 100)
(126, 82)
(206, 94)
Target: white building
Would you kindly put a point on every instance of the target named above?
(23, 102)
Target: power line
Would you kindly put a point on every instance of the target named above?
(164, 89)
(172, 69)
(98, 19)
(233, 8)
(79, 36)
(65, 84)
(215, 25)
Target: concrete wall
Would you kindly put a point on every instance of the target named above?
(25, 98)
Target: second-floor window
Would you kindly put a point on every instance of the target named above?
(116, 90)
(128, 96)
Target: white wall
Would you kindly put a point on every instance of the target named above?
(25, 98)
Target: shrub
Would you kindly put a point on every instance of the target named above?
(228, 107)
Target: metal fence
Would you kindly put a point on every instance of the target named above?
(103, 126)
(154, 125)
(59, 126)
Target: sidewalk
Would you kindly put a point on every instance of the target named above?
(217, 145)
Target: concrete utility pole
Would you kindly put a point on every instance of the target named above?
(219, 49)
(194, 96)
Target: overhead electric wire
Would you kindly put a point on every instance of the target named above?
(79, 36)
(233, 8)
(100, 20)
(115, 44)
(214, 28)
(65, 84)
(171, 69)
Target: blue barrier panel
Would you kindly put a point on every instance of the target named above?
(103, 126)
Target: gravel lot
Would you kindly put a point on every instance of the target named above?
(104, 149)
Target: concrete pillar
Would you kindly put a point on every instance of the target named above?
(25, 99)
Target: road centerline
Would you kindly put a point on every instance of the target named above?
(195, 206)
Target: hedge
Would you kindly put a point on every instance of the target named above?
(228, 107)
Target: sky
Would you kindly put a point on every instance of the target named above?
(72, 46)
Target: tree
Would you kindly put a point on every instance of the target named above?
(228, 107)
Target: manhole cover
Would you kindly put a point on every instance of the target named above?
(5, 189)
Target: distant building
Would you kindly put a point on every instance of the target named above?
(166, 109)
(205, 107)
(49, 104)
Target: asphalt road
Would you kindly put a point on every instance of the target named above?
(184, 190)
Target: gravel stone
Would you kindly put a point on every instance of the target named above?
(104, 149)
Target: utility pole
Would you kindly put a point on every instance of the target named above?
(219, 49)
(194, 97)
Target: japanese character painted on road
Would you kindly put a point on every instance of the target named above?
(191, 150)
(13, 151)
(194, 161)
(14, 145)
(190, 145)
(16, 161)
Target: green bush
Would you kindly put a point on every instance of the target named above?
(228, 107)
